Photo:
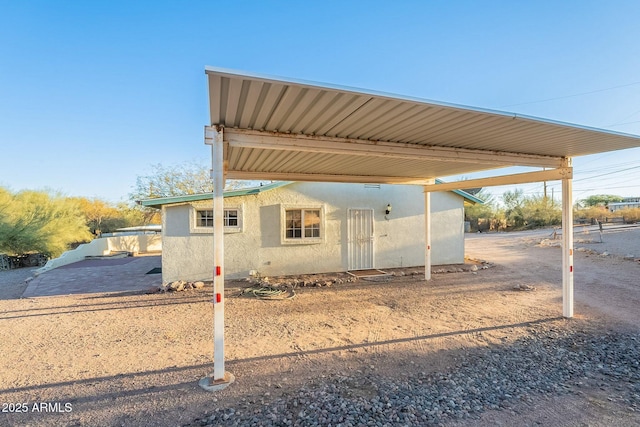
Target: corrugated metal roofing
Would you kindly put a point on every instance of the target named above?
(274, 105)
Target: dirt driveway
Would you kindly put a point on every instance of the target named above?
(135, 360)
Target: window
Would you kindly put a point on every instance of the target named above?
(230, 218)
(302, 224)
(202, 220)
(205, 219)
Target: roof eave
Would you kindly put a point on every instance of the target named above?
(160, 201)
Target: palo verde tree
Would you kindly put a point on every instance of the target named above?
(37, 221)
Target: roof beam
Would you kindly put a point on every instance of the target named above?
(243, 138)
(519, 178)
(313, 177)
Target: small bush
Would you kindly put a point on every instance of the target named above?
(630, 215)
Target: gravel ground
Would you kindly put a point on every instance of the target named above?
(551, 362)
(14, 282)
(546, 363)
(469, 349)
(616, 241)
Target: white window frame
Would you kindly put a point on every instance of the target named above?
(301, 240)
(196, 228)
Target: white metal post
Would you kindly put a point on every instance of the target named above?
(220, 379)
(567, 245)
(427, 233)
(217, 175)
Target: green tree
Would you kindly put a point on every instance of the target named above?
(514, 204)
(132, 216)
(481, 210)
(99, 215)
(540, 211)
(600, 200)
(179, 180)
(103, 217)
(35, 221)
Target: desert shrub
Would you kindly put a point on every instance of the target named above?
(539, 211)
(592, 213)
(630, 215)
(38, 221)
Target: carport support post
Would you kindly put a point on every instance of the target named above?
(567, 244)
(220, 379)
(427, 232)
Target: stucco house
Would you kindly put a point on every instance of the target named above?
(287, 228)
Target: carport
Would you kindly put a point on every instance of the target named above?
(267, 128)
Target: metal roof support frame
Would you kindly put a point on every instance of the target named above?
(264, 140)
(519, 178)
(311, 177)
(219, 379)
(567, 244)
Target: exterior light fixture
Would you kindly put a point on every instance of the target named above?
(388, 210)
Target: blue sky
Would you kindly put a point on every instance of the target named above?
(93, 93)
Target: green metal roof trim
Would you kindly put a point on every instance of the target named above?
(468, 197)
(157, 202)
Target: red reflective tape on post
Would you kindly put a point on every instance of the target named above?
(218, 297)
(429, 247)
(218, 270)
(571, 269)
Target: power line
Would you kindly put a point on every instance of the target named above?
(626, 123)
(608, 188)
(606, 174)
(572, 96)
(603, 168)
(625, 118)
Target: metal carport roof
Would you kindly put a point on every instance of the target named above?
(297, 130)
(272, 128)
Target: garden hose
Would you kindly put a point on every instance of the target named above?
(268, 292)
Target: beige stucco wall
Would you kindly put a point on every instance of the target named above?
(398, 241)
(135, 243)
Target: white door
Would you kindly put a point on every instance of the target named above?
(360, 228)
